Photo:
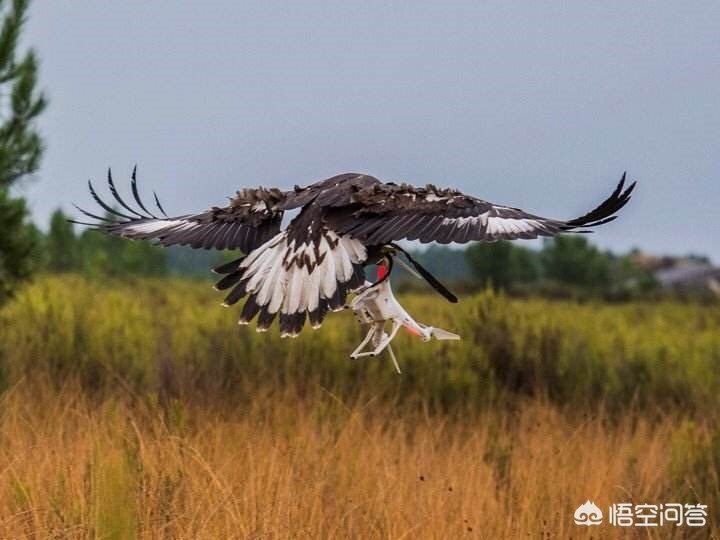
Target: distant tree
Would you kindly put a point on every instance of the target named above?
(447, 263)
(490, 263)
(574, 261)
(18, 240)
(502, 264)
(524, 265)
(143, 258)
(195, 263)
(102, 255)
(61, 245)
(93, 253)
(20, 147)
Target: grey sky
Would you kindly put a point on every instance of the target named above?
(539, 105)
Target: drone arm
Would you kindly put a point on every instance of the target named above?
(397, 324)
(414, 327)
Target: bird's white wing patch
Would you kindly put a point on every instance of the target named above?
(491, 227)
(152, 226)
(510, 226)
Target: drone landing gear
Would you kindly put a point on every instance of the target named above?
(380, 340)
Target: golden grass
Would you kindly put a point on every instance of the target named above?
(78, 467)
(142, 410)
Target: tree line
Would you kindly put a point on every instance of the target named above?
(95, 254)
(564, 263)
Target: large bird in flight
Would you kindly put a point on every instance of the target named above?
(345, 223)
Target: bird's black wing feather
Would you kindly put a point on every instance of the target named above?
(251, 219)
(386, 213)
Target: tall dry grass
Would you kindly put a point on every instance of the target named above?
(78, 467)
(143, 411)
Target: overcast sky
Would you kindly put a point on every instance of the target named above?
(539, 105)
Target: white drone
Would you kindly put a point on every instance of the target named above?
(376, 305)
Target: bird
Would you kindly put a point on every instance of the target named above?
(343, 225)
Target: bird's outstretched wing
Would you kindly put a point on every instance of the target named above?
(251, 219)
(385, 213)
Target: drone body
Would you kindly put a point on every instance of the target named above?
(345, 223)
(376, 305)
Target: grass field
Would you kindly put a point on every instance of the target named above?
(143, 410)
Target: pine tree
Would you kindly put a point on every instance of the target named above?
(61, 244)
(20, 146)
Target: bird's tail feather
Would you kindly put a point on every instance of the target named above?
(294, 282)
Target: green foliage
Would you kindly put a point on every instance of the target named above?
(18, 243)
(20, 147)
(111, 256)
(567, 265)
(61, 245)
(98, 255)
(171, 338)
(114, 487)
(628, 278)
(502, 264)
(573, 260)
(196, 263)
(450, 263)
(490, 263)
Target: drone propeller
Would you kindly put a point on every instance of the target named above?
(409, 268)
